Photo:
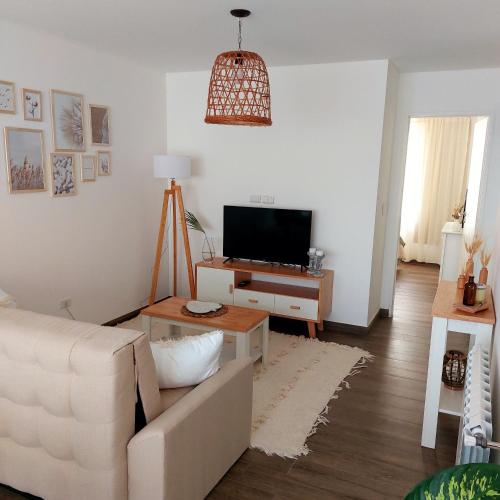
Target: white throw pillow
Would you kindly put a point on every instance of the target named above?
(188, 360)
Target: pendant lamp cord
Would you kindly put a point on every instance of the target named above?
(239, 34)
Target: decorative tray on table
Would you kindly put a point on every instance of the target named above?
(199, 309)
(482, 306)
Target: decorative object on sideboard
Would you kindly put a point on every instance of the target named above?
(68, 126)
(7, 97)
(316, 256)
(483, 274)
(454, 365)
(472, 247)
(480, 294)
(99, 125)
(239, 92)
(172, 167)
(32, 105)
(88, 168)
(208, 249)
(24, 154)
(63, 178)
(470, 292)
(103, 163)
(456, 216)
(462, 279)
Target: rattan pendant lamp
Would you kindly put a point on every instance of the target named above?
(239, 92)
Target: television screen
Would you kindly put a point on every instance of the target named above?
(269, 234)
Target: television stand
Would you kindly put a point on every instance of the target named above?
(282, 291)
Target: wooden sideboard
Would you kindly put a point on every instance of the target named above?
(283, 291)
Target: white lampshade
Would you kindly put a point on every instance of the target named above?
(172, 167)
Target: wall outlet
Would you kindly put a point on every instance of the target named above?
(65, 303)
(255, 198)
(267, 198)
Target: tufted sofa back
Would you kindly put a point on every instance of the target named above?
(67, 405)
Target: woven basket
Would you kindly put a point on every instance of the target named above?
(239, 92)
(454, 365)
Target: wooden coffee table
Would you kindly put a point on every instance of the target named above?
(238, 322)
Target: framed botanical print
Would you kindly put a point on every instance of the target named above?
(24, 154)
(99, 125)
(7, 97)
(32, 105)
(104, 162)
(87, 168)
(67, 121)
(62, 167)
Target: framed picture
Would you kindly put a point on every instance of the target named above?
(67, 121)
(7, 97)
(104, 162)
(62, 166)
(32, 105)
(87, 168)
(24, 156)
(99, 125)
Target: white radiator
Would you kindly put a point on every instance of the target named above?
(474, 439)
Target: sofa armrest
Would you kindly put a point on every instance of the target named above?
(186, 450)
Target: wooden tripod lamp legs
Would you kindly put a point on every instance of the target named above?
(176, 193)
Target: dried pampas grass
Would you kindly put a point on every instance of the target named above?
(485, 258)
(473, 246)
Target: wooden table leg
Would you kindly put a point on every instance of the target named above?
(311, 326)
(265, 341)
(433, 390)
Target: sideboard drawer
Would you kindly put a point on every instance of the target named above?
(296, 307)
(254, 300)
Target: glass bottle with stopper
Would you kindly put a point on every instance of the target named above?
(470, 292)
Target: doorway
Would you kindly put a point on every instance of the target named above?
(443, 178)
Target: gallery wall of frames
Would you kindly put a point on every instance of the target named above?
(80, 143)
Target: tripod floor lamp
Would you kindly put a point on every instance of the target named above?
(172, 167)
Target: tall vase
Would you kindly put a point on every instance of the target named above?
(469, 267)
(483, 276)
(208, 250)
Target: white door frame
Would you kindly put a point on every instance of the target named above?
(484, 175)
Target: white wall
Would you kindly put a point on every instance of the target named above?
(495, 372)
(95, 247)
(471, 92)
(391, 102)
(322, 153)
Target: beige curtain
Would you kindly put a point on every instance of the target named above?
(435, 181)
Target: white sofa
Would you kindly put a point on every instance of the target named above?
(68, 415)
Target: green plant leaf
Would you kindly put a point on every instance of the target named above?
(192, 222)
(463, 482)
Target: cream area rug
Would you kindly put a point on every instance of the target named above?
(291, 395)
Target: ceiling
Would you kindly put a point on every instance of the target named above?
(185, 35)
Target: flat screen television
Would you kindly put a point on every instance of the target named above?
(268, 234)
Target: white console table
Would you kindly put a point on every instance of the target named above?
(452, 253)
(282, 291)
(444, 319)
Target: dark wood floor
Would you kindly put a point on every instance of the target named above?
(371, 448)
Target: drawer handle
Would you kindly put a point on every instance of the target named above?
(253, 301)
(231, 287)
(297, 308)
